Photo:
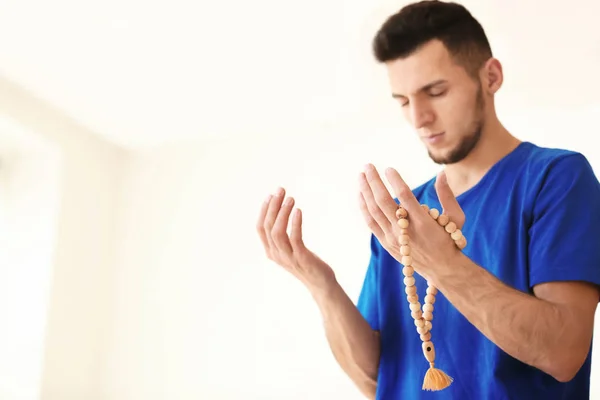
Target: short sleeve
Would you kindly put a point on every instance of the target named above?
(565, 232)
(368, 300)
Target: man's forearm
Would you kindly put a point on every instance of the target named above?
(534, 331)
(355, 346)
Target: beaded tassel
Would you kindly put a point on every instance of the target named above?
(435, 379)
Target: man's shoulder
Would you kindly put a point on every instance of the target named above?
(552, 170)
(552, 175)
(545, 158)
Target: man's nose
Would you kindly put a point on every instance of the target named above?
(421, 115)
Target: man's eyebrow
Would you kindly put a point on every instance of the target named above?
(423, 88)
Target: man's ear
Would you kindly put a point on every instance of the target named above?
(492, 76)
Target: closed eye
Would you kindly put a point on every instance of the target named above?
(433, 93)
(437, 94)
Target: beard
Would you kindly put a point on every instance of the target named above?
(468, 142)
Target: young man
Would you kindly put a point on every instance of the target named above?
(513, 318)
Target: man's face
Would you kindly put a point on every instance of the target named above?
(440, 100)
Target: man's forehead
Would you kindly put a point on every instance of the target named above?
(430, 63)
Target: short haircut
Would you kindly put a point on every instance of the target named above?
(421, 22)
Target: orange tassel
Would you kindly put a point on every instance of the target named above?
(436, 379)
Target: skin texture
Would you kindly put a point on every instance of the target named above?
(550, 330)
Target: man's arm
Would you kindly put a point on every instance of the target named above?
(355, 346)
(551, 331)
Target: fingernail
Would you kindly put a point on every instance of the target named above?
(287, 201)
(268, 199)
(279, 192)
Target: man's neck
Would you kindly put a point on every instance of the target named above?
(495, 143)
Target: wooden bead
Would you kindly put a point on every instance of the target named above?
(428, 325)
(401, 213)
(423, 315)
(429, 351)
(450, 227)
(429, 299)
(443, 220)
(403, 240)
(457, 234)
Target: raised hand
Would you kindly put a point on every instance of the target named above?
(379, 210)
(289, 251)
(431, 245)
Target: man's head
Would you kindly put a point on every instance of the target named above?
(442, 73)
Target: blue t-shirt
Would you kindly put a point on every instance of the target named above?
(533, 218)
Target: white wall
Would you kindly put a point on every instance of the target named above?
(29, 191)
(77, 309)
(200, 312)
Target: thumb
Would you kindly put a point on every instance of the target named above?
(448, 201)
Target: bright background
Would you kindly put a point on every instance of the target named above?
(138, 140)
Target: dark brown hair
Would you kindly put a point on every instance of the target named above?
(421, 22)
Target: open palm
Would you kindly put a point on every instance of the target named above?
(289, 251)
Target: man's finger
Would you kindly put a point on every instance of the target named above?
(371, 223)
(260, 223)
(380, 193)
(448, 201)
(296, 234)
(403, 192)
(372, 206)
(279, 233)
(272, 211)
